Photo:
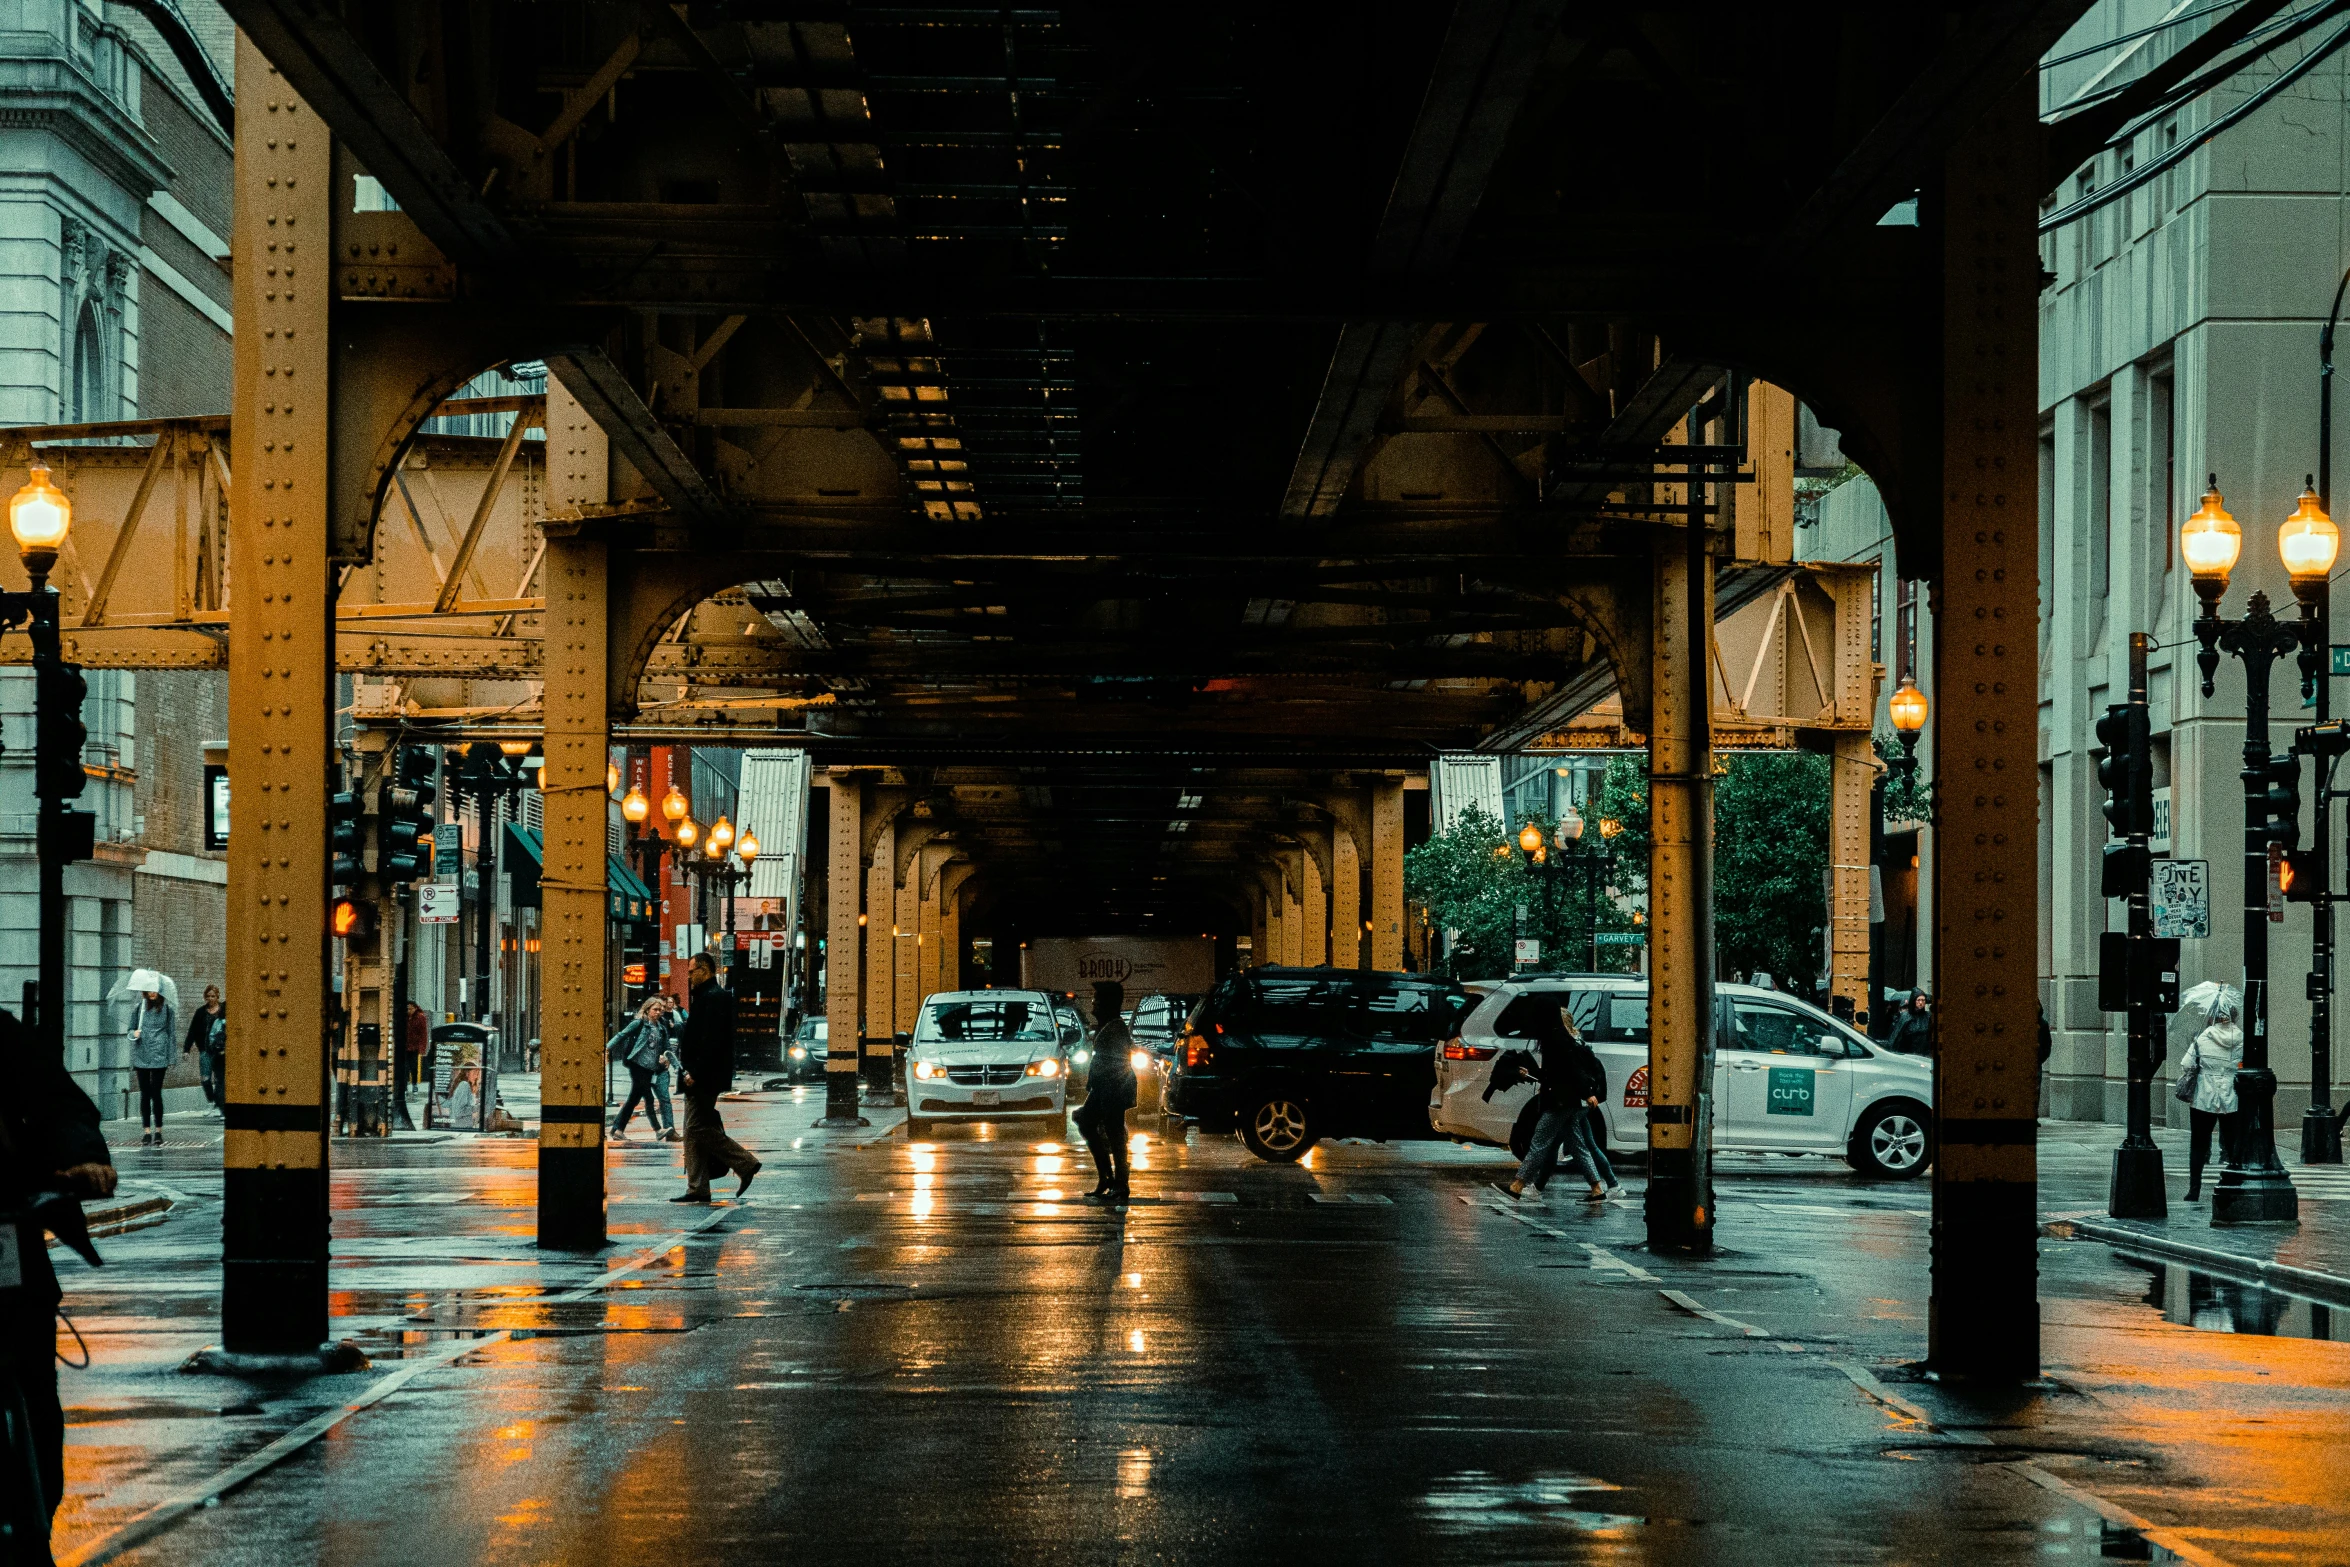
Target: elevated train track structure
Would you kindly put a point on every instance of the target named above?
(1036, 412)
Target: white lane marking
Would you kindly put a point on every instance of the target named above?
(1603, 1258)
(1339, 1199)
(2169, 1540)
(1686, 1303)
(161, 1516)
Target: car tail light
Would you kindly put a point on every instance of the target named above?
(1195, 1051)
(1454, 1050)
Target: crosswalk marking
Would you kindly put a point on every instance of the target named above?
(1366, 1199)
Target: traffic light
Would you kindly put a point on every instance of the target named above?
(2297, 877)
(2114, 769)
(351, 920)
(342, 838)
(59, 738)
(2284, 801)
(404, 825)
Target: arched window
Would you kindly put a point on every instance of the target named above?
(90, 400)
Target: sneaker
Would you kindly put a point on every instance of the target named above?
(618, 1137)
(1507, 1190)
(671, 1136)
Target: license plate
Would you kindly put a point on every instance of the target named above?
(987, 1096)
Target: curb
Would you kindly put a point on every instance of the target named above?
(2330, 1288)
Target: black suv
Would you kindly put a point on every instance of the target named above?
(1288, 1056)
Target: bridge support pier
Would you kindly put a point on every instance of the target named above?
(844, 958)
(575, 900)
(1983, 1323)
(1680, 1202)
(282, 690)
(1387, 874)
(1346, 901)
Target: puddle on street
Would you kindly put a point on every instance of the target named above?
(2217, 1305)
(1476, 1502)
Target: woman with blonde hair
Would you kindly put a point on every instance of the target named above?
(642, 1045)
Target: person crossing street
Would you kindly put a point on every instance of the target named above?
(706, 1053)
(1109, 1094)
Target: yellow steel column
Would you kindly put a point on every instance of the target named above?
(1346, 901)
(1680, 898)
(881, 955)
(281, 691)
(1314, 915)
(1260, 934)
(844, 1012)
(1276, 921)
(1983, 1322)
(906, 953)
(1387, 874)
(929, 869)
(575, 907)
(1851, 796)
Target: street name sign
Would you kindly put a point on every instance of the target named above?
(1622, 938)
(2182, 898)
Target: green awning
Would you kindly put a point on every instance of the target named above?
(524, 860)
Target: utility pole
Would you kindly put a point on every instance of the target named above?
(2134, 965)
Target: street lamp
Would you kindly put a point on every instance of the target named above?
(2253, 1187)
(686, 833)
(1908, 709)
(674, 807)
(634, 807)
(1593, 859)
(40, 517)
(487, 773)
(721, 833)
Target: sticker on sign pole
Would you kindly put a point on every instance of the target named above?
(2182, 898)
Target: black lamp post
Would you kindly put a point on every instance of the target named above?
(485, 771)
(2253, 1187)
(40, 516)
(1594, 860)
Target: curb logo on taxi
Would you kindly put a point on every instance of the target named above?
(1790, 1091)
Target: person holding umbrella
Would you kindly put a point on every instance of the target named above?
(154, 1042)
(2207, 1077)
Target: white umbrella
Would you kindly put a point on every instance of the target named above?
(2209, 997)
(141, 981)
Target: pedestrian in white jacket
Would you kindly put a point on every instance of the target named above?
(2214, 1057)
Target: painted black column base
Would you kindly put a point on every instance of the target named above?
(2321, 1136)
(1983, 1318)
(571, 1198)
(840, 1101)
(273, 1306)
(1679, 1204)
(2137, 1191)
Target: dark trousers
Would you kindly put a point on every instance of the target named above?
(1591, 1140)
(707, 1147)
(640, 1092)
(31, 1349)
(213, 1069)
(1102, 1123)
(2199, 1127)
(150, 1094)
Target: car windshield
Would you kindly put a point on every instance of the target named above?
(986, 1020)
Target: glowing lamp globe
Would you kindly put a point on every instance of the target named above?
(2308, 541)
(2210, 539)
(1909, 708)
(634, 807)
(39, 516)
(721, 833)
(687, 832)
(674, 806)
(1530, 838)
(1571, 826)
(748, 848)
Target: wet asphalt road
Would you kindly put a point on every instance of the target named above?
(934, 1353)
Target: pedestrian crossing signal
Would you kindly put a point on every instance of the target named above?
(350, 919)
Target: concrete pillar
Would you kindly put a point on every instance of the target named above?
(1314, 915)
(1680, 1207)
(1387, 874)
(282, 691)
(1346, 901)
(1851, 797)
(574, 900)
(844, 1011)
(1984, 1320)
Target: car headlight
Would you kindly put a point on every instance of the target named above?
(1080, 1057)
(1050, 1066)
(799, 1052)
(1143, 1062)
(927, 1070)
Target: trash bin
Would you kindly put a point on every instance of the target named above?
(463, 1075)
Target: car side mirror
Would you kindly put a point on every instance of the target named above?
(903, 1038)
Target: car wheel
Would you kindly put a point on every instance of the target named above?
(1894, 1142)
(1522, 1134)
(1278, 1128)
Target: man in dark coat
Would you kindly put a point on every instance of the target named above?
(1913, 1033)
(1572, 1080)
(49, 1142)
(705, 1057)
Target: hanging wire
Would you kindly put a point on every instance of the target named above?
(2143, 32)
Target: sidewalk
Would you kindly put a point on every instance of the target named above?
(2311, 1258)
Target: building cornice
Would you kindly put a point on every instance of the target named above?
(46, 95)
